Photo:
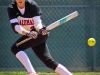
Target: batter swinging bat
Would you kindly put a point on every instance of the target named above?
(54, 25)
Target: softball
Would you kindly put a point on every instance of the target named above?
(91, 42)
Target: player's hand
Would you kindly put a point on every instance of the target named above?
(32, 34)
(43, 31)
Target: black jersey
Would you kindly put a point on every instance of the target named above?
(25, 20)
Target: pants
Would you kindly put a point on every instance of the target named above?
(39, 47)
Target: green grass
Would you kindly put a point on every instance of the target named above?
(44, 73)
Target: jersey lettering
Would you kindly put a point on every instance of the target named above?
(26, 22)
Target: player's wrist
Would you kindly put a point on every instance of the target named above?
(25, 32)
(40, 31)
(43, 31)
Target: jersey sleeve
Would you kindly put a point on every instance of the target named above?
(12, 17)
(36, 11)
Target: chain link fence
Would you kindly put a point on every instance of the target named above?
(67, 43)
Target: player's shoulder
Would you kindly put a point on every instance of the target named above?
(11, 5)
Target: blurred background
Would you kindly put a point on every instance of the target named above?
(67, 43)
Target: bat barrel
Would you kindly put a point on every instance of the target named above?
(62, 20)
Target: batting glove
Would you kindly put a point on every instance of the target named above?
(32, 34)
(43, 31)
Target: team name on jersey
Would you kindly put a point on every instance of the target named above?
(25, 21)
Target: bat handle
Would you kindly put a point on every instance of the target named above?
(23, 41)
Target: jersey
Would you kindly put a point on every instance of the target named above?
(25, 20)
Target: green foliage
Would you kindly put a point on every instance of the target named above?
(49, 73)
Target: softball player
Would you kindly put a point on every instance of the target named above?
(25, 19)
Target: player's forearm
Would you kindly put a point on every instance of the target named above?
(39, 26)
(20, 30)
(37, 23)
(24, 32)
(17, 28)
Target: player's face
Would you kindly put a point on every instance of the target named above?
(20, 3)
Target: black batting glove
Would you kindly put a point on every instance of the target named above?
(32, 34)
(43, 31)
